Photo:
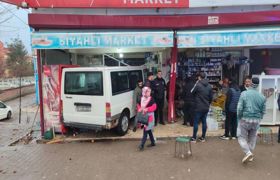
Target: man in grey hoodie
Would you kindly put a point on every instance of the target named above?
(250, 111)
(203, 96)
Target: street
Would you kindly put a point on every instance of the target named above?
(10, 129)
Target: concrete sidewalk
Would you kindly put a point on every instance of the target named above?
(162, 132)
(120, 160)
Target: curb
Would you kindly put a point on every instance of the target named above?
(70, 140)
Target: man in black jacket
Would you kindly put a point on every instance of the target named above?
(159, 90)
(188, 101)
(203, 96)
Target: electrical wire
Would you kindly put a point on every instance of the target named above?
(14, 15)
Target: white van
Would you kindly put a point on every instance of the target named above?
(99, 97)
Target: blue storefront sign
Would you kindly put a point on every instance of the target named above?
(101, 40)
(229, 38)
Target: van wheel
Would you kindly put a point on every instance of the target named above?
(9, 115)
(123, 124)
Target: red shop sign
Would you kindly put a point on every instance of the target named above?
(101, 3)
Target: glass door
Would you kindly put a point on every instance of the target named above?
(267, 88)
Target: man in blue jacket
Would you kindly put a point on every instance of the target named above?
(232, 99)
(250, 111)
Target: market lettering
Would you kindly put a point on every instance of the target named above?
(80, 41)
(249, 38)
(277, 37)
(150, 1)
(132, 40)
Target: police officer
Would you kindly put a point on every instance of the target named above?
(159, 90)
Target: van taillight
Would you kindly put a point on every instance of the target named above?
(108, 110)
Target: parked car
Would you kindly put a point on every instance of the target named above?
(99, 97)
(5, 111)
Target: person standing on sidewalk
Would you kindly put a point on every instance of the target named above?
(250, 111)
(137, 94)
(147, 105)
(188, 101)
(150, 81)
(232, 99)
(160, 87)
(202, 92)
(247, 84)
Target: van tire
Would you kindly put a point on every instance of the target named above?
(123, 123)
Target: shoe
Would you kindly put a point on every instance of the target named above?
(233, 138)
(278, 140)
(162, 123)
(151, 145)
(201, 139)
(251, 159)
(193, 140)
(223, 137)
(141, 148)
(134, 129)
(247, 157)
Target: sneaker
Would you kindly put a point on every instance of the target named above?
(193, 140)
(151, 145)
(233, 138)
(251, 159)
(247, 157)
(201, 139)
(141, 147)
(223, 137)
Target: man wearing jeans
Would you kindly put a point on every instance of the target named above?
(202, 92)
(250, 111)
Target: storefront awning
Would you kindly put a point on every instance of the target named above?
(229, 38)
(83, 40)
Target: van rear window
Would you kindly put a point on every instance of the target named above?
(84, 83)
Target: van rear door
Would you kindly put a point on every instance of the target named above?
(83, 97)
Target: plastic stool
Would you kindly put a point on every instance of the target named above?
(265, 135)
(183, 147)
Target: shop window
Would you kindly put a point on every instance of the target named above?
(84, 83)
(134, 76)
(119, 81)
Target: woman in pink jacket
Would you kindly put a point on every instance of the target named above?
(147, 105)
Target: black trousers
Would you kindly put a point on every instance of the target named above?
(145, 136)
(188, 113)
(159, 111)
(231, 124)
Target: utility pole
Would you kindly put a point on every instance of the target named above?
(19, 120)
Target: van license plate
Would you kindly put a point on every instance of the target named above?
(83, 108)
